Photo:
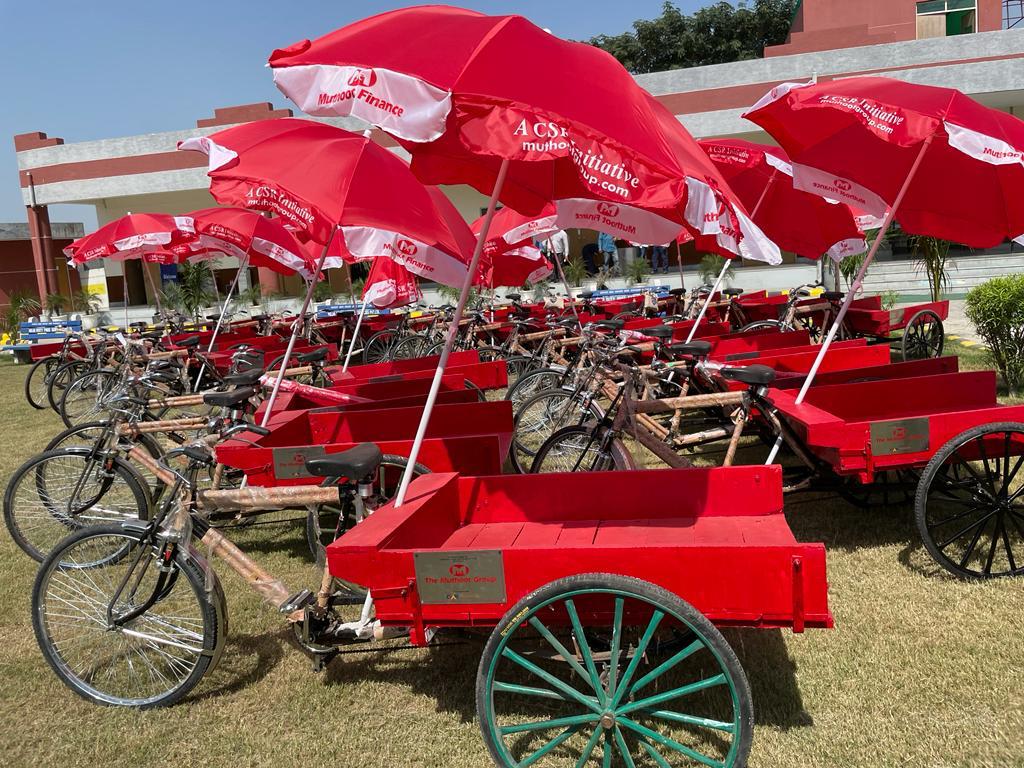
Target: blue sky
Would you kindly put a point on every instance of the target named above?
(115, 68)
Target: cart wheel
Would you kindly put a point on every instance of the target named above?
(326, 522)
(970, 503)
(923, 337)
(891, 488)
(602, 669)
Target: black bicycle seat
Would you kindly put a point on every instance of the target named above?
(246, 379)
(190, 343)
(161, 377)
(732, 291)
(258, 317)
(199, 453)
(355, 464)
(569, 322)
(833, 295)
(229, 399)
(692, 348)
(214, 318)
(658, 331)
(586, 295)
(316, 356)
(610, 325)
(137, 326)
(513, 296)
(627, 354)
(677, 292)
(755, 375)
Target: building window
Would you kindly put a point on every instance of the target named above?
(945, 18)
(1013, 14)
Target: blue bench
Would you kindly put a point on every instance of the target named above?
(618, 293)
(329, 310)
(41, 330)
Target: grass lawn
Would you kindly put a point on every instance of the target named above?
(921, 670)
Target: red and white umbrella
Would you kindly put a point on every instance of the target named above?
(937, 161)
(325, 181)
(253, 239)
(472, 109)
(388, 285)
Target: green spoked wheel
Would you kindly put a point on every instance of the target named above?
(601, 669)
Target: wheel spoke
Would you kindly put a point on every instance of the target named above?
(620, 742)
(701, 722)
(992, 549)
(641, 648)
(654, 754)
(527, 690)
(555, 742)
(964, 531)
(613, 662)
(658, 738)
(974, 541)
(587, 701)
(666, 665)
(567, 656)
(588, 750)
(675, 693)
(558, 722)
(588, 659)
(1006, 544)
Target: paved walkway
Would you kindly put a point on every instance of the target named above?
(958, 327)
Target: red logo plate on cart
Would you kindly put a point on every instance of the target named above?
(460, 578)
(900, 436)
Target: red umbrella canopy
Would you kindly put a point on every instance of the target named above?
(856, 140)
(389, 284)
(250, 236)
(464, 98)
(136, 235)
(509, 257)
(803, 223)
(510, 229)
(320, 179)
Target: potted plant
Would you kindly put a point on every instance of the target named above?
(711, 266)
(21, 306)
(636, 272)
(193, 285)
(87, 305)
(575, 271)
(55, 304)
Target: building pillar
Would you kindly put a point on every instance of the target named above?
(270, 281)
(34, 214)
(49, 255)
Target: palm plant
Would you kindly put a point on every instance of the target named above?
(931, 254)
(85, 302)
(194, 282)
(711, 266)
(637, 271)
(55, 303)
(21, 306)
(575, 271)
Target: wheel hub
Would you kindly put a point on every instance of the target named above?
(607, 720)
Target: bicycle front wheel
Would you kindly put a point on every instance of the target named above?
(581, 449)
(60, 491)
(38, 381)
(85, 399)
(100, 574)
(541, 416)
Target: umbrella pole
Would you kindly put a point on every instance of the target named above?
(707, 301)
(124, 279)
(565, 283)
(679, 262)
(355, 335)
(764, 193)
(296, 327)
(453, 330)
(152, 285)
(838, 321)
(220, 318)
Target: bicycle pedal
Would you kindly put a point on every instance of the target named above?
(296, 602)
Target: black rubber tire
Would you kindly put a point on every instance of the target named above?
(936, 474)
(763, 325)
(378, 347)
(520, 453)
(37, 382)
(61, 378)
(94, 382)
(138, 499)
(587, 438)
(532, 382)
(85, 436)
(412, 346)
(615, 584)
(920, 345)
(318, 513)
(188, 574)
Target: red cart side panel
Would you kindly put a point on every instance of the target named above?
(930, 366)
(753, 342)
(372, 370)
(716, 537)
(875, 321)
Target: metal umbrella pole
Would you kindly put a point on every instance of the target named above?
(707, 303)
(296, 328)
(152, 285)
(227, 299)
(453, 330)
(855, 287)
(355, 335)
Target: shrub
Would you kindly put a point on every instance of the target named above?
(996, 308)
(711, 266)
(637, 270)
(55, 302)
(575, 271)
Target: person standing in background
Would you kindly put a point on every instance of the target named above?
(590, 255)
(606, 245)
(558, 244)
(659, 255)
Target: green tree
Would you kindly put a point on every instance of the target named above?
(717, 34)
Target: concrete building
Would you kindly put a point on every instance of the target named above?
(921, 42)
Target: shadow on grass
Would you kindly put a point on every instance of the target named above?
(447, 674)
(247, 659)
(772, 676)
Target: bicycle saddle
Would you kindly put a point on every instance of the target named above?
(137, 326)
(569, 322)
(833, 295)
(214, 317)
(190, 343)
(229, 399)
(677, 292)
(610, 325)
(732, 291)
(692, 348)
(354, 464)
(513, 296)
(316, 356)
(586, 295)
(161, 377)
(258, 317)
(755, 375)
(246, 379)
(658, 331)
